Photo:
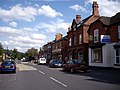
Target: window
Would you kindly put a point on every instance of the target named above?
(70, 55)
(96, 35)
(80, 39)
(118, 32)
(56, 45)
(74, 40)
(70, 42)
(80, 56)
(74, 27)
(97, 56)
(117, 56)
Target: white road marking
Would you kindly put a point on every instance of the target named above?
(41, 72)
(58, 81)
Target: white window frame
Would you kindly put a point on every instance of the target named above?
(118, 32)
(70, 41)
(117, 57)
(96, 35)
(80, 39)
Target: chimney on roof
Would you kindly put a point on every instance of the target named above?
(95, 8)
(69, 28)
(58, 36)
(78, 19)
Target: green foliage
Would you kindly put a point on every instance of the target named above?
(32, 52)
(1, 49)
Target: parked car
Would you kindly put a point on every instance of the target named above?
(42, 60)
(8, 66)
(75, 64)
(55, 63)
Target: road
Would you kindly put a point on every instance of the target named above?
(41, 77)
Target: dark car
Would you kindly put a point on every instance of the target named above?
(55, 63)
(8, 66)
(75, 64)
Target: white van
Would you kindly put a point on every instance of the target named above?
(42, 61)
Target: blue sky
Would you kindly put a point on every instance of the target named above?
(32, 23)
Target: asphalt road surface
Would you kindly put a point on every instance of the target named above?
(41, 77)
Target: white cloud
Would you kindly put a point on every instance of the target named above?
(38, 36)
(107, 7)
(48, 11)
(22, 38)
(27, 13)
(78, 8)
(13, 24)
(18, 12)
(54, 27)
(10, 31)
(36, 5)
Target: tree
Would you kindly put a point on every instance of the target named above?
(1, 49)
(14, 54)
(32, 52)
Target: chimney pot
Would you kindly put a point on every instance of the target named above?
(78, 19)
(58, 36)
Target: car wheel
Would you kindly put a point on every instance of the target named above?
(14, 71)
(71, 70)
(85, 70)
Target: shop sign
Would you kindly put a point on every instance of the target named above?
(105, 38)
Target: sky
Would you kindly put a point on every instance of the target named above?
(32, 23)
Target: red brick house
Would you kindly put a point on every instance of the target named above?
(115, 38)
(59, 48)
(78, 36)
(47, 51)
(104, 42)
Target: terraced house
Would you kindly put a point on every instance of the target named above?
(78, 36)
(104, 42)
(59, 48)
(47, 51)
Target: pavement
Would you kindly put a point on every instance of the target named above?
(23, 67)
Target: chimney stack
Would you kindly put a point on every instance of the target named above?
(69, 28)
(78, 19)
(58, 36)
(95, 8)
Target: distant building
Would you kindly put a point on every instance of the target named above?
(59, 48)
(47, 51)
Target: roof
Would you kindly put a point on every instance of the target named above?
(84, 20)
(63, 38)
(115, 18)
(105, 20)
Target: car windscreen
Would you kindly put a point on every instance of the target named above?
(77, 61)
(8, 62)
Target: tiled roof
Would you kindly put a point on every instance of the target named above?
(105, 20)
(115, 18)
(84, 20)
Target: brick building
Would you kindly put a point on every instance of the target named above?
(47, 51)
(78, 36)
(104, 36)
(59, 48)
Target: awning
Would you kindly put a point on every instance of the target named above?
(117, 45)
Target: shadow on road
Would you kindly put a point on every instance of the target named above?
(100, 75)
